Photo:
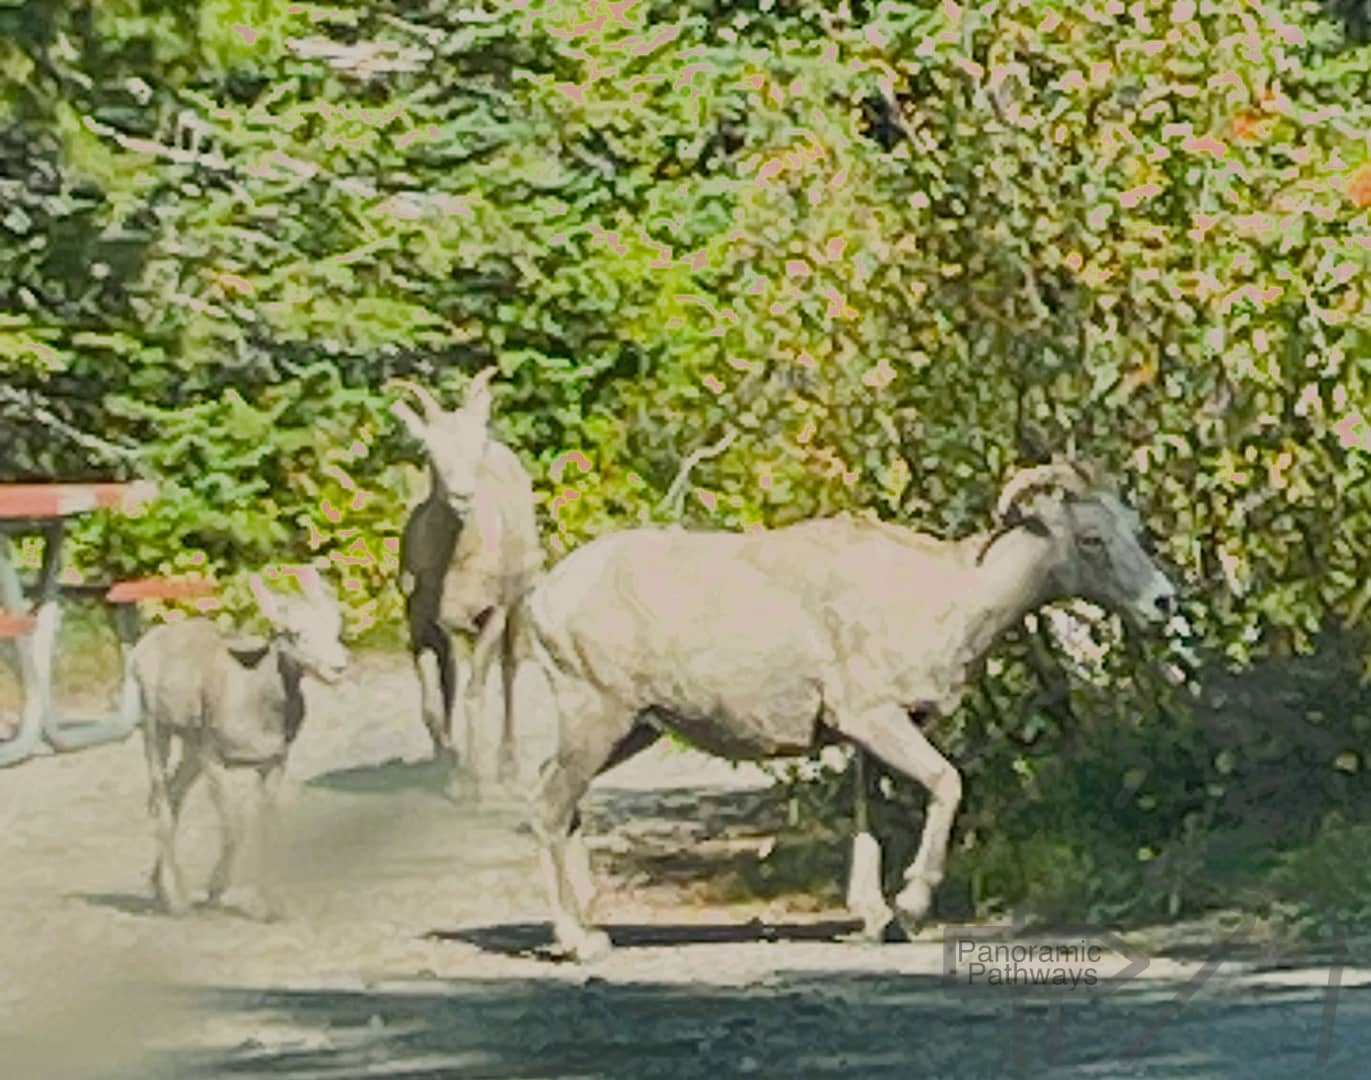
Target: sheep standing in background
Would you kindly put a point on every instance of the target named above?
(233, 706)
(469, 552)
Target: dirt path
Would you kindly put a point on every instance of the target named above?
(415, 944)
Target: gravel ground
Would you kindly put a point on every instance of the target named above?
(415, 944)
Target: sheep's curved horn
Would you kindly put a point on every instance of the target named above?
(1071, 477)
(427, 400)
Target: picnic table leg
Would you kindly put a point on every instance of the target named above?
(37, 688)
(74, 734)
(128, 626)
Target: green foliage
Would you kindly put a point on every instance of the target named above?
(1326, 883)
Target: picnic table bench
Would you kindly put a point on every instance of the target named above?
(30, 616)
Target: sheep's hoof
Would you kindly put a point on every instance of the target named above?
(173, 901)
(252, 903)
(912, 905)
(876, 923)
(171, 894)
(218, 884)
(586, 946)
(460, 788)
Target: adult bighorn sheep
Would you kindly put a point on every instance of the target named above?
(470, 549)
(771, 644)
(233, 705)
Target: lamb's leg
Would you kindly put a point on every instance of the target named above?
(232, 884)
(167, 877)
(222, 874)
(263, 900)
(865, 898)
(236, 880)
(587, 744)
(888, 733)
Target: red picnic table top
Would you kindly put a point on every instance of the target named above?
(31, 501)
(26, 503)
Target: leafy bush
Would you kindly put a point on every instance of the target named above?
(898, 248)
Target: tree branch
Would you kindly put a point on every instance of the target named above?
(676, 491)
(41, 414)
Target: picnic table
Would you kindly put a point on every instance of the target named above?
(33, 622)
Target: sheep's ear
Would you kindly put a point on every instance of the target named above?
(315, 589)
(266, 600)
(411, 420)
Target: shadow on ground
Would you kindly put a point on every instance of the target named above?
(387, 778)
(124, 903)
(535, 939)
(805, 1026)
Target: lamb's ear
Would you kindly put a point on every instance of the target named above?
(266, 601)
(315, 589)
(477, 402)
(410, 419)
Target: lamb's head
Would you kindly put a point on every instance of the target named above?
(309, 627)
(454, 439)
(1105, 553)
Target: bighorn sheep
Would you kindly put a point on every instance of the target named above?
(470, 550)
(233, 705)
(771, 644)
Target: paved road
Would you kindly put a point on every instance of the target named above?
(816, 1024)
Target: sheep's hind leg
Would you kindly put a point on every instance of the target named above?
(865, 897)
(586, 748)
(579, 874)
(167, 879)
(233, 884)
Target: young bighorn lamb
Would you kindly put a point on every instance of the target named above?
(470, 550)
(771, 644)
(233, 706)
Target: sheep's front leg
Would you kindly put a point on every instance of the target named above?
(888, 733)
(235, 882)
(428, 665)
(216, 775)
(264, 850)
(458, 781)
(485, 719)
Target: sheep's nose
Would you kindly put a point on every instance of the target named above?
(1166, 604)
